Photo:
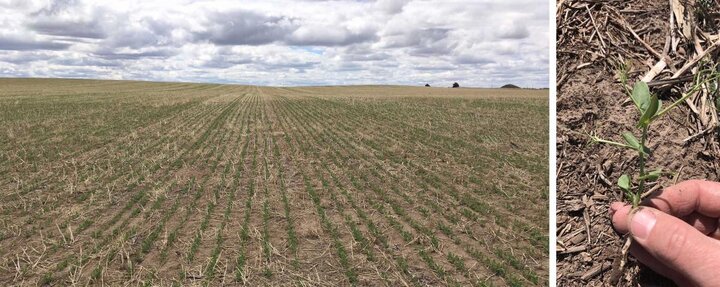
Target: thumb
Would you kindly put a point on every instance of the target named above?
(676, 244)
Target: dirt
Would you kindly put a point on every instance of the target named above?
(390, 168)
(591, 100)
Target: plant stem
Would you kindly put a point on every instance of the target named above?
(641, 184)
(674, 104)
(689, 93)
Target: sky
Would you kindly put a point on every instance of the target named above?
(482, 43)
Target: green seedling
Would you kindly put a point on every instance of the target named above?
(649, 108)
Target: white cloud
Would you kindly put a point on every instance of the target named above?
(279, 42)
(513, 31)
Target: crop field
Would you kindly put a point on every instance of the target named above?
(139, 183)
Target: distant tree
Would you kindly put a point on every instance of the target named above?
(456, 85)
(427, 85)
(510, 86)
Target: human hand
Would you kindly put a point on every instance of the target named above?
(676, 233)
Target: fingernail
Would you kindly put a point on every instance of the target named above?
(642, 223)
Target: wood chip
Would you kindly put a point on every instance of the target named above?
(595, 270)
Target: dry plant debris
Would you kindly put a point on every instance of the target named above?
(116, 182)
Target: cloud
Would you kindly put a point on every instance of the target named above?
(276, 42)
(23, 44)
(363, 53)
(391, 6)
(227, 60)
(55, 7)
(21, 58)
(137, 37)
(124, 54)
(415, 37)
(473, 59)
(422, 42)
(85, 62)
(442, 67)
(249, 28)
(349, 67)
(328, 36)
(299, 65)
(69, 28)
(67, 18)
(245, 28)
(513, 31)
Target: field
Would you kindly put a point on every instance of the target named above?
(138, 183)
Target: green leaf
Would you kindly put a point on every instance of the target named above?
(630, 196)
(631, 140)
(641, 95)
(650, 112)
(653, 175)
(624, 182)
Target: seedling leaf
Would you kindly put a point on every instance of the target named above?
(641, 95)
(650, 112)
(631, 140)
(624, 182)
(653, 175)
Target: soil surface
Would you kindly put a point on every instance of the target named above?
(593, 40)
(158, 184)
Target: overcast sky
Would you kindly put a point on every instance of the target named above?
(280, 42)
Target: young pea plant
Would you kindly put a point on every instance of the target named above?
(650, 108)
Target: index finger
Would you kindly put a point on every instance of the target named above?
(687, 197)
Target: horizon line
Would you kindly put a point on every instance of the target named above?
(275, 86)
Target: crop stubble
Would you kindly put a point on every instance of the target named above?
(165, 183)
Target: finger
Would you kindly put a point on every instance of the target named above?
(619, 212)
(687, 197)
(650, 261)
(715, 234)
(702, 223)
(676, 244)
(620, 217)
(615, 206)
